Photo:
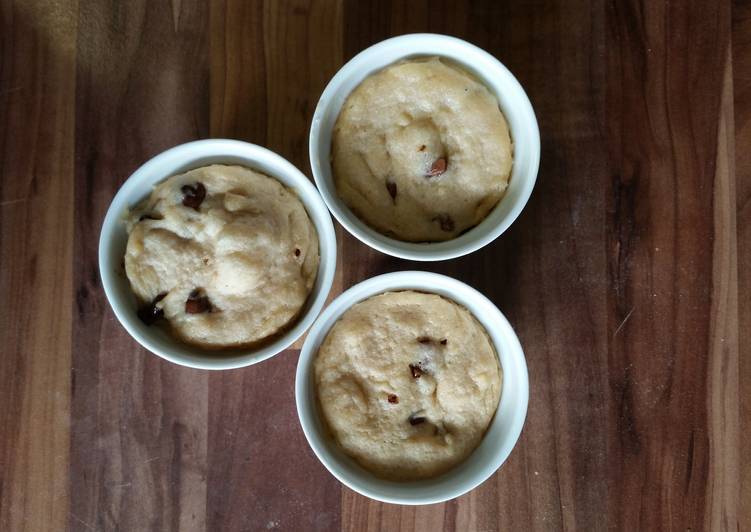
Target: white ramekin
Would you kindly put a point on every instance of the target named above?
(513, 102)
(502, 434)
(113, 239)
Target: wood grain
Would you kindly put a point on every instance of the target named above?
(626, 276)
(37, 91)
(139, 424)
(723, 404)
(741, 61)
(665, 143)
(259, 461)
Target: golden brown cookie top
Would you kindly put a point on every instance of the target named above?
(226, 255)
(421, 151)
(408, 383)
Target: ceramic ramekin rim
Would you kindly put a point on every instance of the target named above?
(192, 155)
(473, 58)
(514, 395)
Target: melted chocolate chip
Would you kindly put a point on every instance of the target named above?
(446, 222)
(197, 303)
(391, 187)
(416, 371)
(425, 339)
(437, 168)
(422, 148)
(416, 420)
(193, 195)
(297, 252)
(444, 341)
(393, 399)
(150, 314)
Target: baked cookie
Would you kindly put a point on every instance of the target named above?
(225, 255)
(407, 383)
(421, 151)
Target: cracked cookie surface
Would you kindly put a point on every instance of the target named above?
(408, 383)
(421, 151)
(226, 256)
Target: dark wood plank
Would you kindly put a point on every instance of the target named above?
(664, 133)
(139, 425)
(269, 63)
(262, 474)
(37, 91)
(238, 71)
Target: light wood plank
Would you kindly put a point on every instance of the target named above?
(723, 376)
(741, 61)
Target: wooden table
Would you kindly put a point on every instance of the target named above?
(627, 277)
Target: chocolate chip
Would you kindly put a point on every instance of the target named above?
(444, 341)
(446, 221)
(391, 187)
(193, 195)
(422, 148)
(197, 306)
(150, 314)
(416, 371)
(197, 303)
(416, 420)
(393, 399)
(425, 339)
(297, 252)
(437, 168)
